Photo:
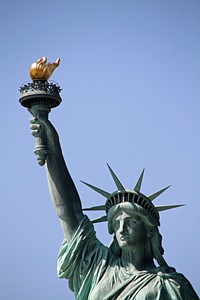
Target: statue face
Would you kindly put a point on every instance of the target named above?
(130, 231)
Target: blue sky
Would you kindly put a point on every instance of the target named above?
(130, 74)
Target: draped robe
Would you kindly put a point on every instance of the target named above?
(95, 273)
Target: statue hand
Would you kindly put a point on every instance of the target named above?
(52, 138)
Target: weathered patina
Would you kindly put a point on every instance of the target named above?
(133, 266)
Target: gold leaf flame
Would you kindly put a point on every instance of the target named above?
(41, 70)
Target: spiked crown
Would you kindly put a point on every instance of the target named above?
(132, 196)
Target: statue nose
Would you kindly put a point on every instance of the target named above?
(122, 227)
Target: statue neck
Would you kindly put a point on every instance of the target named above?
(138, 259)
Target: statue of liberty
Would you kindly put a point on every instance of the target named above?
(133, 266)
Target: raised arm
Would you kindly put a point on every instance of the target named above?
(61, 186)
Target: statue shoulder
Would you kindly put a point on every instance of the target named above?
(176, 281)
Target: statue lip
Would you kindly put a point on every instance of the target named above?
(124, 237)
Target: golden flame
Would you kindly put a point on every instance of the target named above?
(43, 70)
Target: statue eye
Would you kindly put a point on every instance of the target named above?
(132, 222)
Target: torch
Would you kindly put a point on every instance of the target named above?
(39, 97)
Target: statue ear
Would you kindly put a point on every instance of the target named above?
(150, 231)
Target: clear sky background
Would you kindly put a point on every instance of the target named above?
(130, 74)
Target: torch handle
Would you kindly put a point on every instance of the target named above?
(41, 150)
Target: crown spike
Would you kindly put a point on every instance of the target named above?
(100, 207)
(96, 189)
(116, 180)
(139, 182)
(166, 207)
(154, 211)
(155, 195)
(100, 220)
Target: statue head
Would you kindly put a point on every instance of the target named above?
(138, 210)
(141, 231)
(126, 222)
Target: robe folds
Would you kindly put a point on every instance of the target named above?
(95, 273)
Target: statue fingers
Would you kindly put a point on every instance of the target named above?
(35, 129)
(35, 133)
(35, 126)
(40, 120)
(39, 123)
(33, 120)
